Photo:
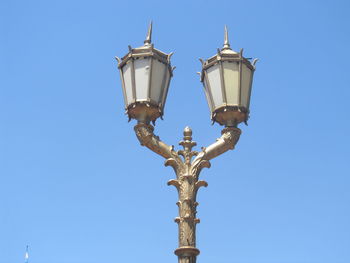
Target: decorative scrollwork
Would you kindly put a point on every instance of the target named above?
(187, 180)
(175, 183)
(231, 136)
(173, 163)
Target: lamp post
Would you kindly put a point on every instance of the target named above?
(227, 78)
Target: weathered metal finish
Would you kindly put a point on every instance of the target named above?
(187, 165)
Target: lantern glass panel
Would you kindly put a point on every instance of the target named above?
(231, 77)
(127, 83)
(245, 85)
(215, 84)
(207, 94)
(142, 75)
(164, 91)
(158, 75)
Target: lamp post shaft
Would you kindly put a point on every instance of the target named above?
(187, 165)
(187, 251)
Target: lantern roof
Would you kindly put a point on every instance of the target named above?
(226, 53)
(147, 50)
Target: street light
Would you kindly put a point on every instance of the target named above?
(227, 77)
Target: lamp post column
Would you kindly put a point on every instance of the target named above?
(187, 185)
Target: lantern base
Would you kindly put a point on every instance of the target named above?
(230, 116)
(143, 111)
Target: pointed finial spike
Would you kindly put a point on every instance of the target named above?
(148, 39)
(226, 36)
(226, 41)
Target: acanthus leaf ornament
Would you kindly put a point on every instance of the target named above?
(187, 183)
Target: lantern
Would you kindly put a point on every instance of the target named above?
(145, 73)
(227, 78)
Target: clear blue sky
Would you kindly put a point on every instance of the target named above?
(76, 186)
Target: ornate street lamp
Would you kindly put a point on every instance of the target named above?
(227, 78)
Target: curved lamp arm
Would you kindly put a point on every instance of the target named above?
(227, 141)
(144, 133)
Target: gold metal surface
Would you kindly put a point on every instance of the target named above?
(230, 115)
(187, 165)
(144, 111)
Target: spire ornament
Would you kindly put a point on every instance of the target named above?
(226, 41)
(148, 39)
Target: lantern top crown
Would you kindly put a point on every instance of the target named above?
(226, 53)
(147, 50)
